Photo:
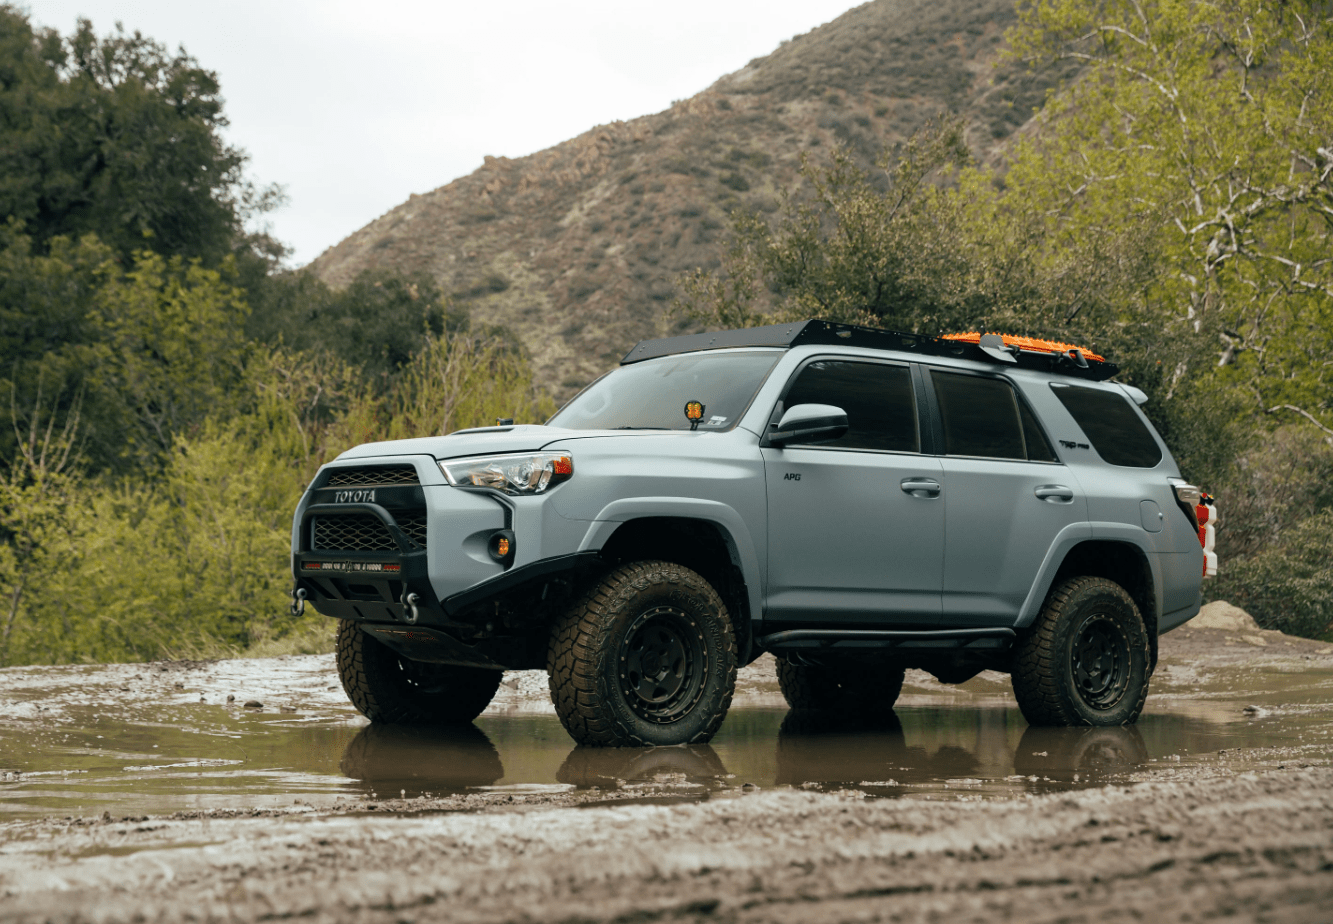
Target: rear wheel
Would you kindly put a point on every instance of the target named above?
(1085, 659)
(851, 686)
(647, 657)
(386, 687)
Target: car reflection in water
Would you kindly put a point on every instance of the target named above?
(394, 758)
(888, 755)
(873, 753)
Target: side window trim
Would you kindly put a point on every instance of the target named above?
(776, 415)
(927, 386)
(930, 423)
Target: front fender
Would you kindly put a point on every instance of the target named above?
(734, 531)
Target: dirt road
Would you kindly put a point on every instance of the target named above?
(1254, 847)
(1236, 826)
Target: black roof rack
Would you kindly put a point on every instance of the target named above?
(801, 333)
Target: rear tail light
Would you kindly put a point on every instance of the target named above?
(1188, 497)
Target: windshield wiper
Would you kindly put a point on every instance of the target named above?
(640, 428)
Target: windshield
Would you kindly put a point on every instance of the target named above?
(652, 394)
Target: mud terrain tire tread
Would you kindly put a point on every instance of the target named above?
(1041, 659)
(859, 688)
(584, 638)
(378, 687)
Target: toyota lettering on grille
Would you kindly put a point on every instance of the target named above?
(363, 496)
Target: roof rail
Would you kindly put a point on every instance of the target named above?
(802, 333)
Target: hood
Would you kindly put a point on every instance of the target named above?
(486, 440)
(527, 438)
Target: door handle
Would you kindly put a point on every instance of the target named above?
(921, 487)
(1054, 493)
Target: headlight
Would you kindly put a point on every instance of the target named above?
(526, 473)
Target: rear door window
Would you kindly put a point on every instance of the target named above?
(980, 416)
(878, 399)
(1112, 425)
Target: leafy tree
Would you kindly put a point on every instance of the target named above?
(39, 520)
(154, 348)
(922, 248)
(378, 322)
(1211, 123)
(116, 137)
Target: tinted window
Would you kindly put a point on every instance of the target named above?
(881, 412)
(980, 416)
(1039, 447)
(1113, 426)
(652, 394)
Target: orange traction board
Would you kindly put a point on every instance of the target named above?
(1028, 343)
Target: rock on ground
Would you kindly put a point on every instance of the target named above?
(1222, 615)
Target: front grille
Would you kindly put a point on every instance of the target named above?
(372, 477)
(359, 532)
(415, 526)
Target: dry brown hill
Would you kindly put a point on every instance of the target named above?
(577, 248)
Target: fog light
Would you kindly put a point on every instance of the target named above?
(501, 546)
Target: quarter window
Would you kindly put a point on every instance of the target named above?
(881, 410)
(1112, 425)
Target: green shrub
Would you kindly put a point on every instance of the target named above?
(1288, 587)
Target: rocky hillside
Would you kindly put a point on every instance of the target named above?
(577, 248)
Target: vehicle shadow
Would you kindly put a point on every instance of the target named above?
(392, 758)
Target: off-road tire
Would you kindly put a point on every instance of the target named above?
(1081, 615)
(596, 645)
(853, 687)
(386, 687)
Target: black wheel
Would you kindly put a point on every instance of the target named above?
(852, 686)
(1085, 659)
(386, 687)
(647, 657)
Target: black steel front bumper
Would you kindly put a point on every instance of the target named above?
(367, 586)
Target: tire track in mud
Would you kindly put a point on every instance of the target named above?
(1252, 847)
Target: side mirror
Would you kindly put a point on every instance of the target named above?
(809, 423)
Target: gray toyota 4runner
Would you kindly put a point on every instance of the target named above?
(855, 501)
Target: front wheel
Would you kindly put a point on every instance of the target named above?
(1085, 659)
(386, 687)
(646, 657)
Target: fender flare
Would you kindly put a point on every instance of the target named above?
(734, 532)
(1072, 535)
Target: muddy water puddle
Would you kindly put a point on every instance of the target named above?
(153, 759)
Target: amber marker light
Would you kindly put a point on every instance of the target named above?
(694, 412)
(501, 547)
(563, 465)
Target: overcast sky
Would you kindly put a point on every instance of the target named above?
(352, 106)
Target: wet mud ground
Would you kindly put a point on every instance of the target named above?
(140, 793)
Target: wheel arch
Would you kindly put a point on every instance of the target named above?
(1125, 562)
(707, 537)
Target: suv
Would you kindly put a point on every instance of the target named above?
(855, 501)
